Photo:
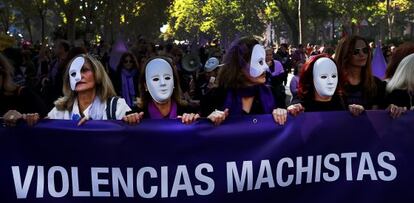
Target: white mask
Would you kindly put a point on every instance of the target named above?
(258, 61)
(75, 71)
(159, 79)
(325, 77)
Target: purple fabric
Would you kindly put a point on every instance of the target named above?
(318, 144)
(234, 98)
(154, 113)
(128, 89)
(294, 83)
(379, 66)
(278, 68)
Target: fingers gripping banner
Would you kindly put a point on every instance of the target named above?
(315, 157)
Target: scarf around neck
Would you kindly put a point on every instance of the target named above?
(128, 89)
(234, 98)
(154, 113)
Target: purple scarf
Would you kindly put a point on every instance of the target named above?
(154, 113)
(234, 98)
(128, 89)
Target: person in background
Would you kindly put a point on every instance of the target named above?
(275, 76)
(294, 83)
(402, 51)
(125, 78)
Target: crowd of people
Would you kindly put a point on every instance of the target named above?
(158, 81)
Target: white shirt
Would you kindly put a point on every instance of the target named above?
(121, 109)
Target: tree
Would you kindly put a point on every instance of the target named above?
(6, 15)
(289, 10)
(69, 11)
(185, 17)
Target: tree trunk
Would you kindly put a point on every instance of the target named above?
(300, 21)
(71, 28)
(29, 28)
(42, 20)
(389, 20)
(333, 27)
(292, 23)
(5, 21)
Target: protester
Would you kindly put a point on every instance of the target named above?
(16, 99)
(353, 58)
(400, 89)
(125, 78)
(161, 96)
(207, 79)
(241, 81)
(89, 94)
(320, 87)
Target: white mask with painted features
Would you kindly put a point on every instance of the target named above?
(325, 77)
(75, 71)
(159, 79)
(258, 61)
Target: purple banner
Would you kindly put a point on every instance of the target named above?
(315, 157)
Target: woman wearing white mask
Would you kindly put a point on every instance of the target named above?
(89, 94)
(320, 87)
(161, 97)
(241, 83)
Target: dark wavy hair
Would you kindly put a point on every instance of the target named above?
(145, 96)
(343, 58)
(236, 59)
(121, 61)
(306, 89)
(402, 51)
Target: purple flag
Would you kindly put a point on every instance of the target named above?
(117, 50)
(378, 63)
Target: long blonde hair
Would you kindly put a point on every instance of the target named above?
(103, 85)
(403, 78)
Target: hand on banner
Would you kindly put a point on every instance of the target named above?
(12, 116)
(217, 117)
(295, 109)
(188, 118)
(356, 109)
(31, 118)
(280, 116)
(83, 120)
(133, 118)
(396, 111)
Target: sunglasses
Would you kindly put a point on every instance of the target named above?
(365, 50)
(128, 61)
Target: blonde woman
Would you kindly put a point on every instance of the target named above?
(89, 94)
(400, 89)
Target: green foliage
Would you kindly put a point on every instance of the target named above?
(185, 19)
(216, 18)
